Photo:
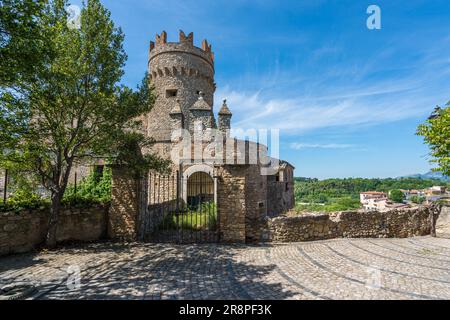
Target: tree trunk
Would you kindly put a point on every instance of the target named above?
(53, 221)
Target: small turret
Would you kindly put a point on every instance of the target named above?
(225, 118)
(201, 112)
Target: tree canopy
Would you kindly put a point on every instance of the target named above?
(22, 43)
(436, 132)
(396, 195)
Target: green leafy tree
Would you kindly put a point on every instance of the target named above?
(436, 132)
(74, 107)
(396, 195)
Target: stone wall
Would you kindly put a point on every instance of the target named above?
(280, 196)
(351, 224)
(24, 231)
(256, 204)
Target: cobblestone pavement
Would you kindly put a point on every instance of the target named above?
(416, 268)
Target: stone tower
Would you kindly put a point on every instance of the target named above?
(183, 77)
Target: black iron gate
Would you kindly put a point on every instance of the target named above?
(178, 210)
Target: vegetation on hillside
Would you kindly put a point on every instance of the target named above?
(343, 194)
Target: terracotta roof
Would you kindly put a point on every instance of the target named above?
(373, 192)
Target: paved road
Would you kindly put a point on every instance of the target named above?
(417, 268)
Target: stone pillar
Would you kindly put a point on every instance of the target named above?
(123, 213)
(231, 207)
(241, 205)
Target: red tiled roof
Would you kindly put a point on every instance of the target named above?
(373, 192)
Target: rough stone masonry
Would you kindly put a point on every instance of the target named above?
(350, 224)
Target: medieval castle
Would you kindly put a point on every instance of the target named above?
(183, 78)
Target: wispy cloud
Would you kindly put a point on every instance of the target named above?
(301, 114)
(298, 146)
(327, 103)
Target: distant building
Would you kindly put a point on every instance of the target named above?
(373, 200)
(372, 195)
(413, 193)
(436, 190)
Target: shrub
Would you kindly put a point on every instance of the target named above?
(417, 199)
(94, 189)
(22, 200)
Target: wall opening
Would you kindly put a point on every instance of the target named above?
(171, 93)
(200, 189)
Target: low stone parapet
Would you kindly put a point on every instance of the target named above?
(26, 230)
(349, 224)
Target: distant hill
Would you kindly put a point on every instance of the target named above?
(430, 175)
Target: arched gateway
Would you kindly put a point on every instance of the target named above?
(180, 207)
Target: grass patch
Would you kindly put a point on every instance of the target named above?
(202, 218)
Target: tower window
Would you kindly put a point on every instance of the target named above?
(170, 93)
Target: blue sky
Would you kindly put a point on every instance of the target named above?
(346, 99)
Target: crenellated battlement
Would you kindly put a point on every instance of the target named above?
(178, 71)
(185, 44)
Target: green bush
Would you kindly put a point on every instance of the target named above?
(23, 200)
(94, 189)
(418, 199)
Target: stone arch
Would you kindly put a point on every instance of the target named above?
(209, 170)
(200, 189)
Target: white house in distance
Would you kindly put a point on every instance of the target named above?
(436, 190)
(412, 193)
(378, 201)
(373, 200)
(364, 196)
